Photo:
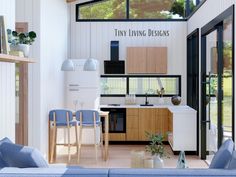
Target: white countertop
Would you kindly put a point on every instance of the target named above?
(172, 108)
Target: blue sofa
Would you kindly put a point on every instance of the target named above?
(32, 164)
(68, 172)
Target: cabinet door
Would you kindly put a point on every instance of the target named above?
(136, 60)
(157, 60)
(147, 123)
(162, 121)
(132, 125)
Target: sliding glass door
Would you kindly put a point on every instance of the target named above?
(217, 115)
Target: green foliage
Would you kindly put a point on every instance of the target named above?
(178, 7)
(139, 9)
(21, 38)
(155, 146)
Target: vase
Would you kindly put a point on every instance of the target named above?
(21, 47)
(148, 163)
(158, 162)
(161, 101)
(176, 100)
(24, 48)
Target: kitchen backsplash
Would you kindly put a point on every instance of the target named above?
(139, 100)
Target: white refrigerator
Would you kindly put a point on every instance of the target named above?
(82, 87)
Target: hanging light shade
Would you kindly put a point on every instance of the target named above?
(68, 65)
(90, 65)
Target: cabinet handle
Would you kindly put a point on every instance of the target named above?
(73, 90)
(73, 85)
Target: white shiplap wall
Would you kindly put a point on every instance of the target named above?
(7, 80)
(46, 81)
(104, 32)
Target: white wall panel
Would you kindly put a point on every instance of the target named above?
(7, 80)
(104, 32)
(46, 81)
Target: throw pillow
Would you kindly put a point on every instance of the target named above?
(2, 162)
(232, 163)
(22, 156)
(223, 155)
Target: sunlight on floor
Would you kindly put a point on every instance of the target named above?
(119, 157)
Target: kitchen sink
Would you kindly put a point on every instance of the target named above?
(146, 105)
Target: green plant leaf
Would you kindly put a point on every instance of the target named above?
(14, 33)
(32, 34)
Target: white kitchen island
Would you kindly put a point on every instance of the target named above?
(179, 121)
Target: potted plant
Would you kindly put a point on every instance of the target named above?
(156, 149)
(21, 41)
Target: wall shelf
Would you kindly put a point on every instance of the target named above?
(15, 59)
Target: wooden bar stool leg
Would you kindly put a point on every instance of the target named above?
(55, 146)
(53, 143)
(69, 144)
(95, 137)
(53, 138)
(77, 140)
(80, 135)
(101, 141)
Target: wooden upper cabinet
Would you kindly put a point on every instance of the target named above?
(157, 60)
(136, 62)
(147, 60)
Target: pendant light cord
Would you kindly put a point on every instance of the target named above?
(90, 35)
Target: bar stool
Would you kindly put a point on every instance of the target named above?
(60, 119)
(89, 118)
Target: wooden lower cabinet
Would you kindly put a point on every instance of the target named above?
(162, 122)
(147, 122)
(117, 136)
(132, 124)
(142, 120)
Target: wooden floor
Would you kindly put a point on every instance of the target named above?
(119, 157)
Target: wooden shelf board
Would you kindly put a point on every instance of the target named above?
(14, 59)
(69, 1)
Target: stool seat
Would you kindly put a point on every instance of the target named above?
(62, 118)
(63, 124)
(98, 123)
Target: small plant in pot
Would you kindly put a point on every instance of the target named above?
(21, 41)
(156, 148)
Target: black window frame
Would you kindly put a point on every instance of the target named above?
(127, 19)
(148, 76)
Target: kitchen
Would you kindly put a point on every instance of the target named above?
(136, 85)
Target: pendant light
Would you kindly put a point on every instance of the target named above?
(68, 65)
(90, 63)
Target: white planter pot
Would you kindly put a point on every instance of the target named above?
(21, 47)
(158, 162)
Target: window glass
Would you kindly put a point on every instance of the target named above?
(113, 85)
(159, 9)
(153, 85)
(108, 9)
(138, 9)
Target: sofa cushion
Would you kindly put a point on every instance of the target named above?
(223, 155)
(22, 156)
(53, 172)
(232, 163)
(2, 162)
(165, 172)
